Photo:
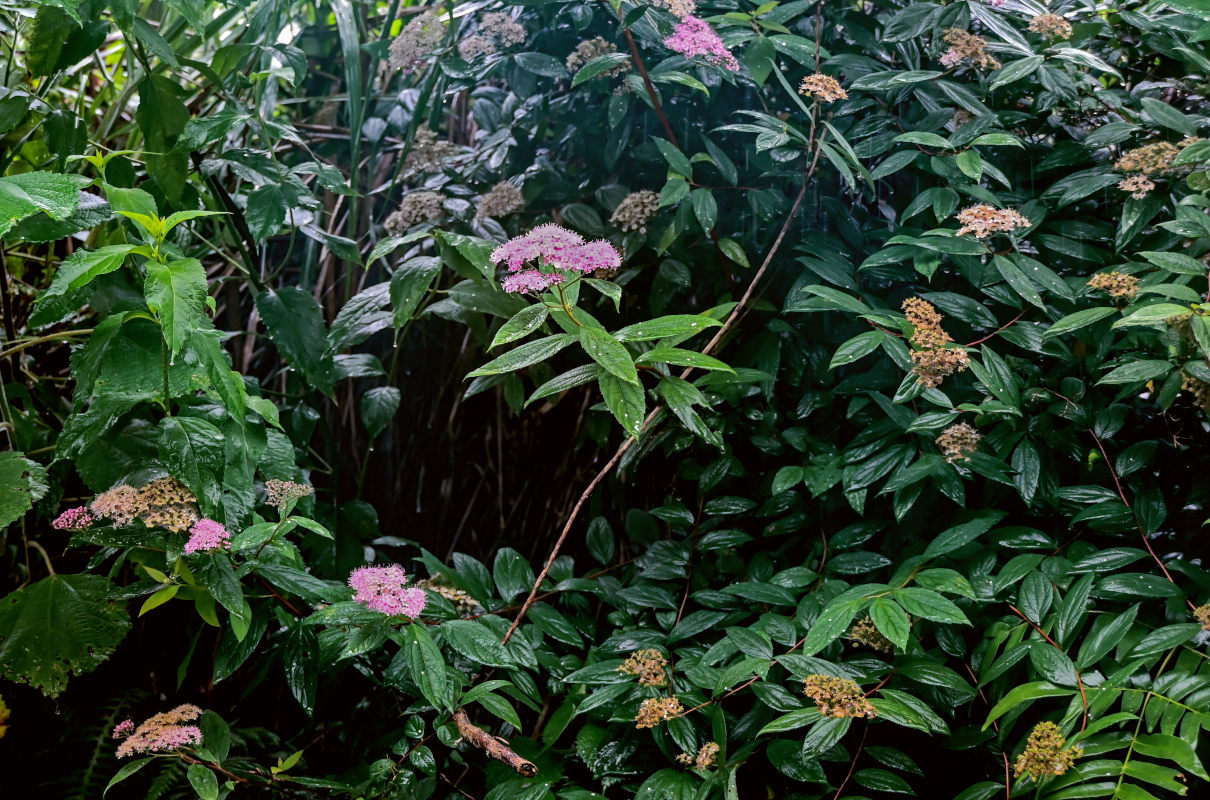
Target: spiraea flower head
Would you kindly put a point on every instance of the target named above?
(501, 200)
(475, 45)
(823, 88)
(428, 153)
(121, 504)
(161, 733)
(594, 48)
(838, 697)
(1052, 26)
(984, 220)
(547, 247)
(74, 519)
(636, 210)
(655, 710)
(419, 38)
(967, 49)
(123, 729)
(206, 534)
(1150, 159)
(1202, 615)
(957, 442)
(1139, 186)
(648, 665)
(681, 8)
(168, 503)
(1046, 753)
(864, 631)
(694, 38)
(278, 493)
(932, 360)
(1116, 284)
(1201, 396)
(415, 208)
(706, 756)
(385, 590)
(503, 28)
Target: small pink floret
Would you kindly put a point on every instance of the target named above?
(123, 729)
(384, 589)
(694, 37)
(74, 519)
(206, 534)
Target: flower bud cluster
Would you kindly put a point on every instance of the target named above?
(838, 697)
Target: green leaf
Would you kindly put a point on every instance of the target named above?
(568, 380)
(1018, 280)
(378, 408)
(512, 573)
(27, 194)
(829, 625)
(663, 354)
(476, 641)
(1137, 372)
(295, 324)
(203, 781)
(176, 294)
(409, 284)
(675, 158)
(541, 64)
(1175, 262)
(598, 65)
(858, 347)
(426, 665)
(953, 538)
(126, 771)
(625, 400)
(82, 266)
(891, 621)
(1016, 70)
(526, 355)
(159, 598)
(609, 353)
(930, 605)
(1024, 693)
(660, 327)
(59, 626)
(1156, 314)
(520, 325)
(1165, 115)
(22, 482)
(681, 396)
(1078, 320)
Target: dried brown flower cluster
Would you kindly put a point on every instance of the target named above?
(461, 600)
(838, 697)
(162, 732)
(967, 48)
(706, 756)
(1201, 396)
(1150, 159)
(592, 48)
(957, 442)
(1139, 186)
(1117, 284)
(419, 38)
(648, 665)
(428, 153)
(1202, 615)
(501, 200)
(279, 493)
(681, 8)
(1046, 753)
(984, 220)
(636, 210)
(932, 361)
(496, 29)
(864, 631)
(163, 503)
(1052, 26)
(823, 88)
(417, 207)
(655, 710)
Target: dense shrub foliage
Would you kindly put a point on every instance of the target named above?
(576, 400)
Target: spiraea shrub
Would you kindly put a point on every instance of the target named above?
(564, 400)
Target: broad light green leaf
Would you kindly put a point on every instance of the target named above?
(604, 349)
(176, 294)
(22, 483)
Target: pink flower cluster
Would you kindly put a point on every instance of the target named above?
(74, 519)
(159, 733)
(384, 589)
(206, 534)
(554, 246)
(694, 37)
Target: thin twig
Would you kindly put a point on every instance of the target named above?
(655, 100)
(865, 731)
(997, 330)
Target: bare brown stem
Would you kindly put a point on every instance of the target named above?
(494, 747)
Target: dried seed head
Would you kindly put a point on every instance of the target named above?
(648, 665)
(416, 207)
(419, 38)
(984, 220)
(865, 632)
(967, 48)
(1046, 753)
(1202, 614)
(958, 442)
(838, 697)
(655, 710)
(1117, 284)
(1052, 26)
(1150, 159)
(428, 153)
(823, 88)
(1139, 186)
(590, 49)
(636, 210)
(706, 756)
(503, 199)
